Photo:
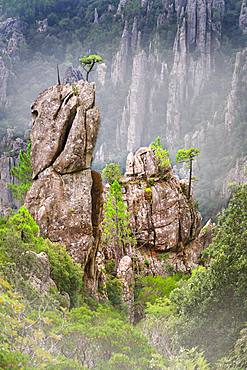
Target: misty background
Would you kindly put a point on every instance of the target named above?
(168, 71)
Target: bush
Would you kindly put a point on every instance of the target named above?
(19, 233)
(161, 154)
(150, 289)
(23, 174)
(212, 305)
(111, 172)
(114, 291)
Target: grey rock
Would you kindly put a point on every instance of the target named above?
(236, 97)
(163, 220)
(67, 118)
(199, 32)
(72, 75)
(243, 17)
(42, 26)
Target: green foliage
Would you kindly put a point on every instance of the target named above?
(212, 305)
(75, 90)
(19, 233)
(188, 156)
(88, 62)
(160, 153)
(23, 332)
(185, 155)
(114, 291)
(91, 59)
(116, 223)
(111, 172)
(55, 339)
(189, 360)
(237, 358)
(22, 172)
(151, 289)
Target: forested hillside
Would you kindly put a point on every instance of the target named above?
(188, 93)
(48, 321)
(123, 196)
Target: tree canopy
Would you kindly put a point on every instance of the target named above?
(111, 172)
(160, 153)
(89, 61)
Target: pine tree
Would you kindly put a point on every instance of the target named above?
(116, 223)
(188, 156)
(88, 63)
(22, 172)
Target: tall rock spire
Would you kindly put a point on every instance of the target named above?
(65, 127)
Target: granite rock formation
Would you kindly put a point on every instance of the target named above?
(11, 34)
(164, 221)
(235, 110)
(62, 197)
(10, 146)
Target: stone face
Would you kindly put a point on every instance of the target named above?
(236, 176)
(162, 218)
(72, 75)
(62, 207)
(60, 124)
(120, 62)
(65, 126)
(142, 163)
(125, 274)
(243, 17)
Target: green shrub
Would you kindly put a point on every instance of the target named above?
(112, 172)
(161, 154)
(212, 305)
(20, 233)
(149, 289)
(23, 173)
(114, 291)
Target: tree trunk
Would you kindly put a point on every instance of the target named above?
(90, 69)
(190, 180)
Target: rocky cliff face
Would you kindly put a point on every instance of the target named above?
(63, 195)
(165, 223)
(197, 41)
(11, 33)
(10, 147)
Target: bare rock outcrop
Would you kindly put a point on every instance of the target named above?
(235, 110)
(10, 146)
(125, 274)
(164, 221)
(243, 17)
(62, 197)
(11, 33)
